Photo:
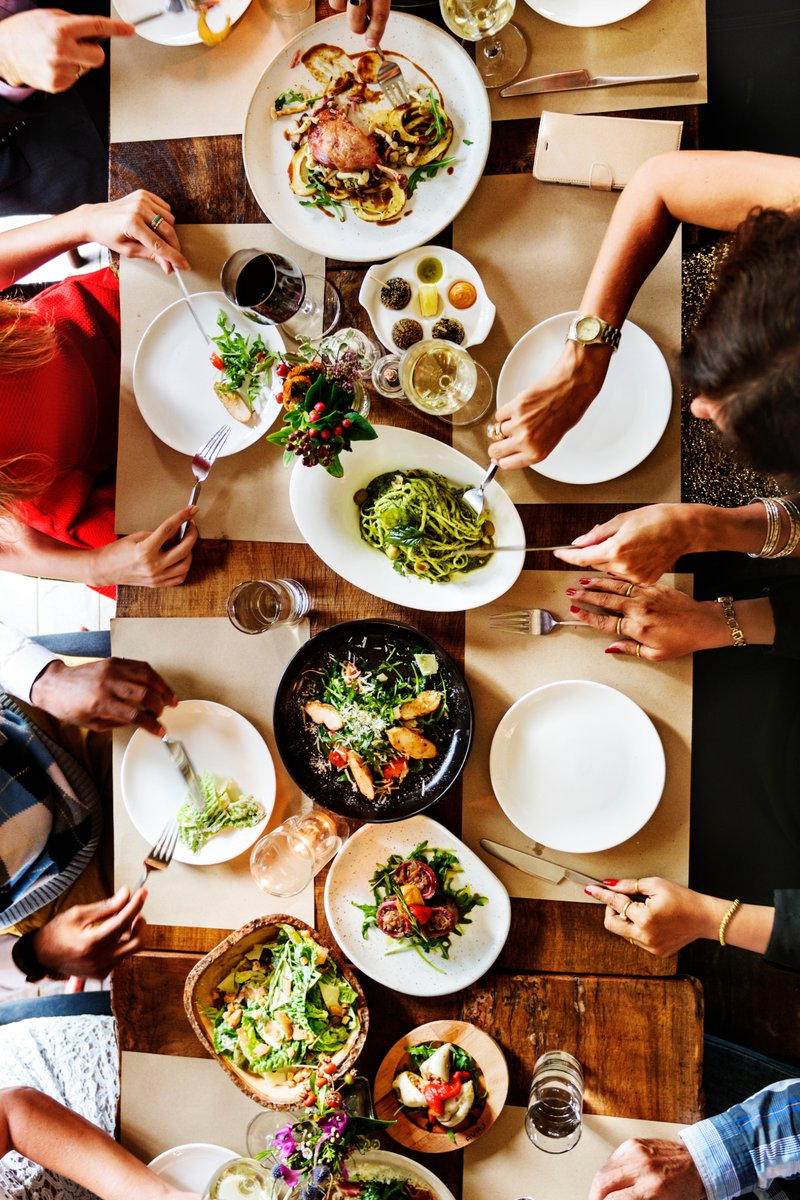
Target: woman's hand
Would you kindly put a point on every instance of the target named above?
(127, 226)
(664, 622)
(669, 917)
(534, 422)
(365, 16)
(146, 559)
(641, 544)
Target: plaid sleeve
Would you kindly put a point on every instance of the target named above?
(751, 1146)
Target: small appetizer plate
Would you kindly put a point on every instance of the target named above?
(410, 1128)
(189, 1167)
(178, 28)
(379, 956)
(476, 320)
(216, 739)
(173, 377)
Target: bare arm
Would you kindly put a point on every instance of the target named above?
(49, 1134)
(716, 189)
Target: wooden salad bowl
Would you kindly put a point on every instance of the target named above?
(274, 1090)
(410, 1131)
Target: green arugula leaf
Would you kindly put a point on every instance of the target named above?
(322, 197)
(426, 171)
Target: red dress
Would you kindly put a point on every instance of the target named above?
(67, 411)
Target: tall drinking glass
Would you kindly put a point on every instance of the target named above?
(286, 860)
(501, 51)
(555, 1104)
(272, 290)
(443, 379)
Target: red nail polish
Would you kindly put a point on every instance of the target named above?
(572, 591)
(573, 608)
(612, 650)
(584, 581)
(611, 882)
(588, 893)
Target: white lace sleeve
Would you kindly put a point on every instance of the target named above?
(76, 1061)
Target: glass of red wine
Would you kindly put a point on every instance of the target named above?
(272, 290)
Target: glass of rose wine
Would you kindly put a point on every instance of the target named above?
(443, 379)
(501, 51)
(272, 290)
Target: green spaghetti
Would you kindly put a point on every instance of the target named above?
(420, 522)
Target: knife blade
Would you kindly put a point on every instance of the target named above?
(575, 81)
(531, 864)
(177, 752)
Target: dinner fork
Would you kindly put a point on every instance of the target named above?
(391, 80)
(533, 621)
(475, 497)
(160, 856)
(202, 463)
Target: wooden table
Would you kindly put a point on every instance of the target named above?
(561, 979)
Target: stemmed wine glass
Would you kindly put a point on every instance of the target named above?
(438, 377)
(273, 290)
(501, 51)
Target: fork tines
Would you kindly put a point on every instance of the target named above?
(214, 444)
(161, 854)
(519, 621)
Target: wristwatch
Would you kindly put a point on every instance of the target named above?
(589, 330)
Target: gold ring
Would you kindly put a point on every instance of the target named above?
(633, 941)
(156, 221)
(638, 889)
(79, 71)
(624, 912)
(620, 619)
(496, 432)
(638, 649)
(629, 589)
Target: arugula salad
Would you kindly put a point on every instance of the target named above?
(371, 1181)
(246, 367)
(417, 901)
(225, 808)
(284, 1005)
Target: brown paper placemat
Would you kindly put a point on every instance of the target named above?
(247, 494)
(504, 1164)
(502, 667)
(167, 1101)
(194, 91)
(663, 38)
(206, 658)
(535, 262)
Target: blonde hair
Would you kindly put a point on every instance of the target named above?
(27, 340)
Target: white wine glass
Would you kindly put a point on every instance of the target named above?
(442, 379)
(501, 51)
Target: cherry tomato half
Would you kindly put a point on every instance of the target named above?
(217, 362)
(395, 769)
(282, 370)
(337, 757)
(350, 671)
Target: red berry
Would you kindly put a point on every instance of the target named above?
(313, 432)
(338, 431)
(347, 422)
(313, 416)
(326, 433)
(320, 407)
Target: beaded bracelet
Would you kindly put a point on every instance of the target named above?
(730, 620)
(726, 920)
(773, 528)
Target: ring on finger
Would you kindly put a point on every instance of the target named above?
(496, 432)
(618, 626)
(156, 221)
(79, 71)
(629, 589)
(624, 911)
(638, 888)
(638, 649)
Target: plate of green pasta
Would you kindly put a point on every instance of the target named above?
(396, 526)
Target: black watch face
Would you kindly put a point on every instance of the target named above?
(587, 329)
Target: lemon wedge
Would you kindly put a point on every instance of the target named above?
(207, 35)
(428, 299)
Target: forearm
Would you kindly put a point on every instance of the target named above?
(750, 927)
(24, 249)
(28, 552)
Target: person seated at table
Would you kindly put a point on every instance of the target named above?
(59, 401)
(365, 16)
(752, 1146)
(744, 356)
(55, 781)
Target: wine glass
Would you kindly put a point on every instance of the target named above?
(444, 380)
(501, 51)
(272, 290)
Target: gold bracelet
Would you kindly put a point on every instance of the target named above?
(793, 514)
(773, 528)
(726, 920)
(729, 613)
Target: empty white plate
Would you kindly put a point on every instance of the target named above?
(577, 766)
(623, 424)
(586, 14)
(191, 1166)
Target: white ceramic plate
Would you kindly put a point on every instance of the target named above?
(471, 955)
(173, 378)
(477, 320)
(217, 739)
(191, 1166)
(420, 47)
(406, 1167)
(577, 766)
(328, 519)
(586, 14)
(178, 29)
(622, 425)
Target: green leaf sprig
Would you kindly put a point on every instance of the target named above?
(426, 171)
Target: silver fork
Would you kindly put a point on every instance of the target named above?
(475, 497)
(534, 621)
(202, 463)
(160, 856)
(391, 80)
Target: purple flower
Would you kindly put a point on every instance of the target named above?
(291, 1177)
(333, 1124)
(285, 1143)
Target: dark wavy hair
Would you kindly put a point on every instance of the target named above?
(745, 350)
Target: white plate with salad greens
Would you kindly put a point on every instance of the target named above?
(236, 774)
(174, 376)
(440, 941)
(380, 1171)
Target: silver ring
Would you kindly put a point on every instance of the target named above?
(156, 221)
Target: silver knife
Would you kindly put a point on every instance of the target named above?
(177, 752)
(531, 864)
(574, 81)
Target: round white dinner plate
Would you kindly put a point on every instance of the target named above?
(178, 29)
(328, 519)
(425, 53)
(586, 14)
(347, 885)
(385, 1161)
(216, 739)
(577, 766)
(622, 425)
(477, 320)
(191, 1166)
(173, 377)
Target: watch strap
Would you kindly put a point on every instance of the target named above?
(608, 335)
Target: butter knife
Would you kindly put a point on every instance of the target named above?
(575, 81)
(177, 752)
(531, 864)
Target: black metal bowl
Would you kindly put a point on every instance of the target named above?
(295, 733)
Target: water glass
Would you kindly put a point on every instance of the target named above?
(264, 1125)
(363, 348)
(555, 1103)
(240, 1179)
(285, 861)
(261, 604)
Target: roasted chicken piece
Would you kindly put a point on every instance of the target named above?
(362, 774)
(324, 714)
(425, 702)
(336, 142)
(409, 742)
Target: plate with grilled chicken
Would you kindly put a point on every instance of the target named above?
(340, 170)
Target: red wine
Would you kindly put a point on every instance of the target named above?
(272, 286)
